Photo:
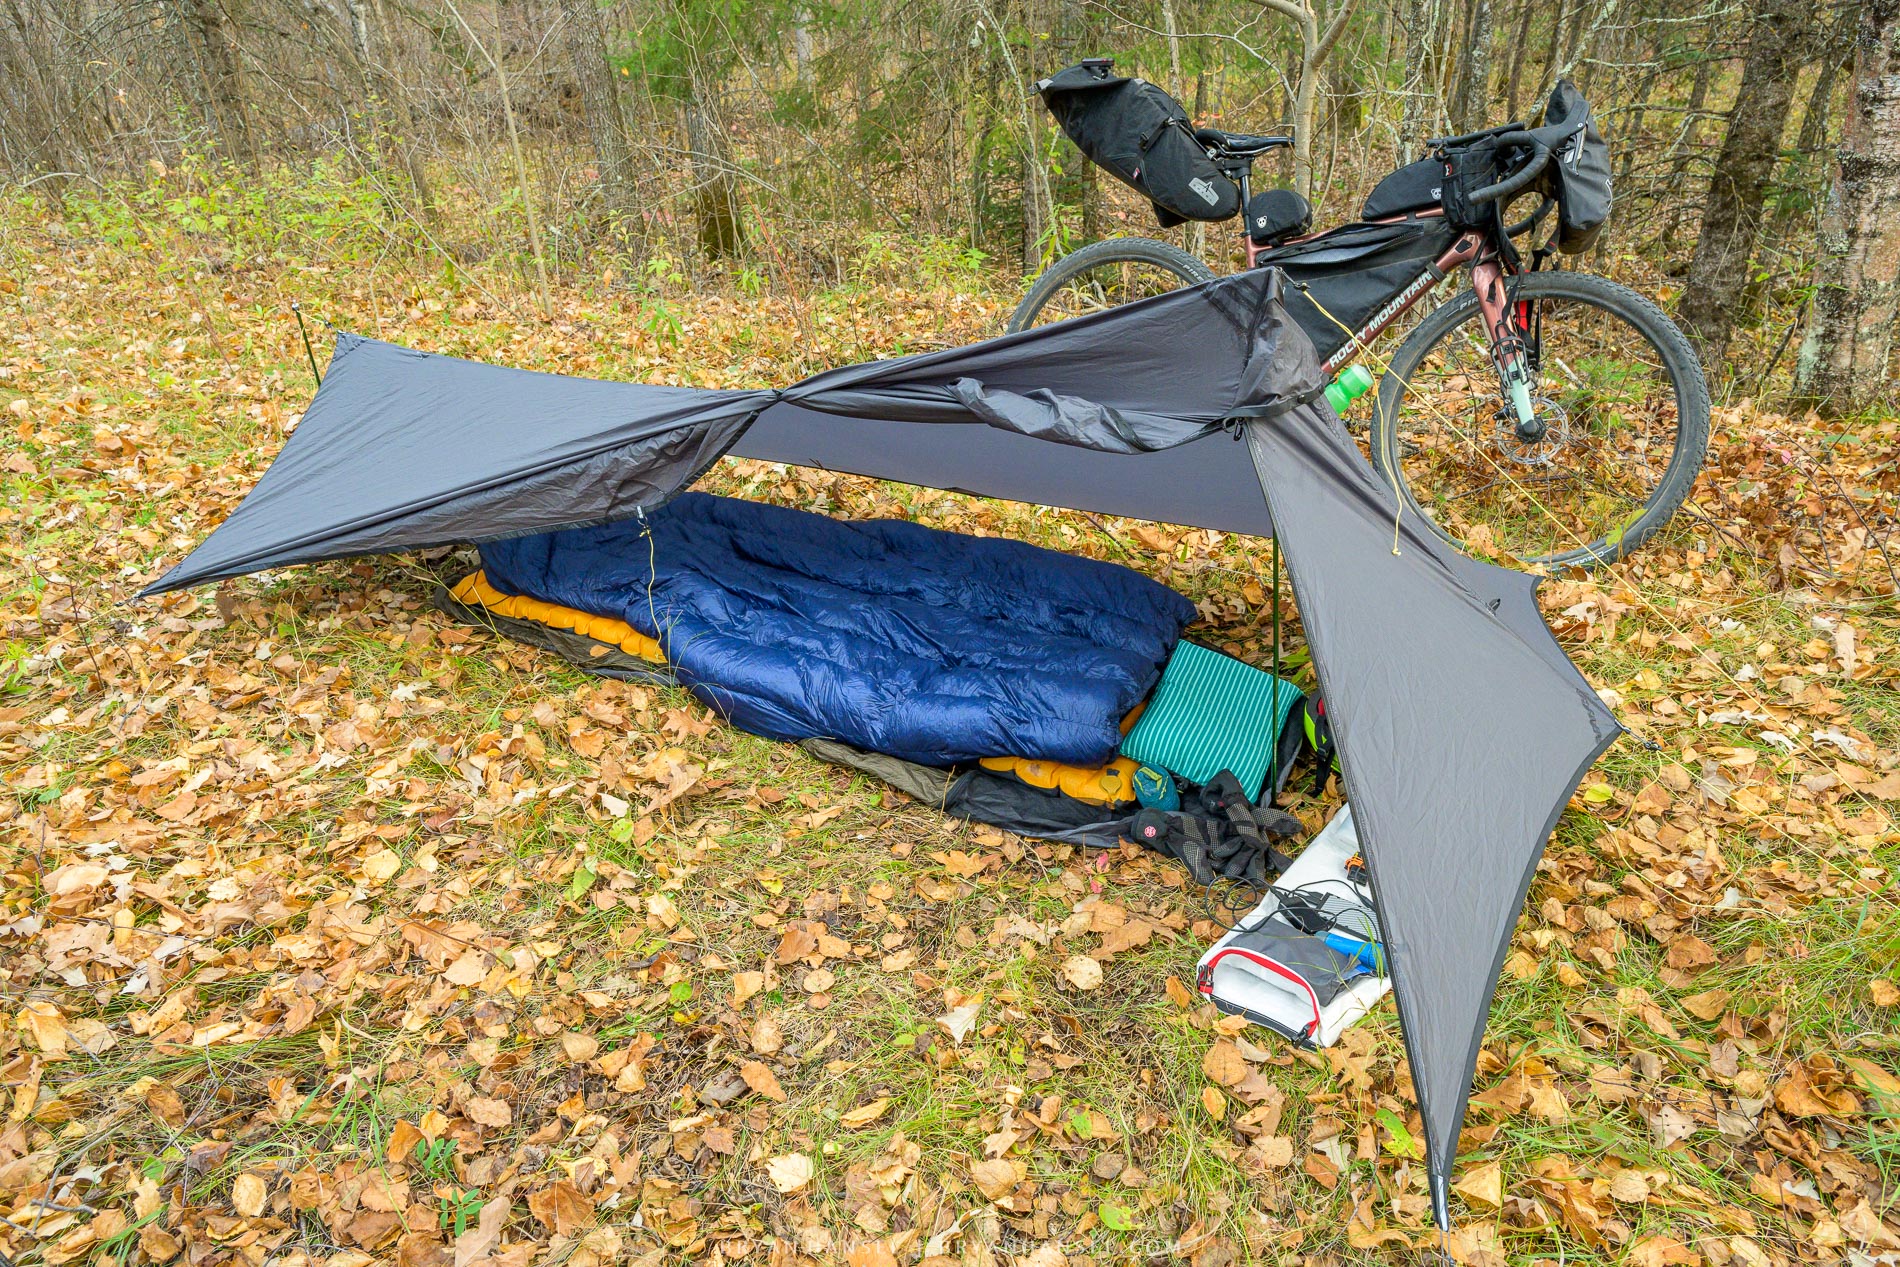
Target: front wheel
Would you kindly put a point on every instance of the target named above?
(1620, 424)
(1106, 275)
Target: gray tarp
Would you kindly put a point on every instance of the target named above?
(1463, 726)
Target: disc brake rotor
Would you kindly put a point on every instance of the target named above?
(1545, 448)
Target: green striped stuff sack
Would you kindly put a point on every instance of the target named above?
(1210, 713)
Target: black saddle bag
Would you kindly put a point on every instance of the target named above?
(1140, 135)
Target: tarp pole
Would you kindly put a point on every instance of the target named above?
(1273, 753)
(297, 310)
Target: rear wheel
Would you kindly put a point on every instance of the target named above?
(1620, 425)
(1106, 275)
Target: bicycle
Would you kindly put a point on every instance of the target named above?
(1551, 416)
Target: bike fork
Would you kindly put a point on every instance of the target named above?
(1509, 353)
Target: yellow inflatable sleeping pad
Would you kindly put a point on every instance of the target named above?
(1109, 784)
(474, 590)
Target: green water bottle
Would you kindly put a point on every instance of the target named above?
(1353, 382)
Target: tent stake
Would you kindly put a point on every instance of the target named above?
(297, 310)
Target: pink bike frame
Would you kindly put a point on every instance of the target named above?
(1487, 279)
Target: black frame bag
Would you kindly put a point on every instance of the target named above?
(1139, 134)
(1345, 275)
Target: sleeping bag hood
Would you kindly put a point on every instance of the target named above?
(1462, 725)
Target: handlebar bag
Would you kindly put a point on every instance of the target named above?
(1578, 176)
(1471, 168)
(1139, 134)
(1344, 276)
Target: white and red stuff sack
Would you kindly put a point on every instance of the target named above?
(1282, 977)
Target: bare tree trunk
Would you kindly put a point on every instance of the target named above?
(1591, 18)
(389, 106)
(1172, 32)
(1194, 232)
(600, 103)
(1315, 44)
(801, 45)
(1718, 273)
(1423, 110)
(1035, 225)
(1037, 198)
(1838, 52)
(1843, 362)
(207, 67)
(1474, 96)
(721, 221)
(1522, 42)
(528, 208)
(1553, 52)
(1682, 149)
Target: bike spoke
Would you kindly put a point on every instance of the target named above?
(1604, 431)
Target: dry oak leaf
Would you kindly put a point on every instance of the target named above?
(1629, 1187)
(403, 1138)
(486, 1111)
(468, 969)
(959, 1020)
(745, 985)
(248, 1195)
(865, 1114)
(1663, 1251)
(767, 1037)
(1877, 1082)
(41, 1019)
(1275, 1151)
(1482, 1185)
(797, 943)
(790, 1172)
(870, 1254)
(1688, 953)
(1706, 1006)
(1082, 972)
(1885, 993)
(759, 1076)
(160, 1099)
(159, 1245)
(1136, 932)
(1214, 1102)
(1224, 1064)
(1864, 1225)
(996, 1178)
(1798, 1096)
(562, 1209)
(381, 866)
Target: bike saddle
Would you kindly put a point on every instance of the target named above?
(1239, 144)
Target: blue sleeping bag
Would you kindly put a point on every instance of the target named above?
(932, 646)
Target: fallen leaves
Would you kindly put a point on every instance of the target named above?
(759, 1076)
(996, 1177)
(1082, 972)
(959, 1020)
(487, 1111)
(1482, 1185)
(789, 1173)
(248, 1195)
(865, 1114)
(617, 984)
